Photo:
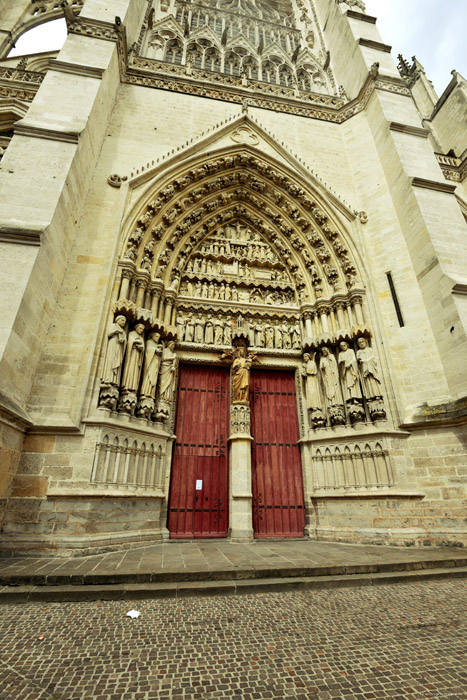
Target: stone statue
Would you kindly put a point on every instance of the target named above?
(115, 352)
(228, 332)
(134, 358)
(269, 336)
(218, 332)
(332, 390)
(166, 381)
(152, 360)
(296, 337)
(241, 375)
(349, 372)
(209, 331)
(199, 330)
(368, 366)
(312, 393)
(259, 335)
(180, 328)
(190, 330)
(330, 376)
(278, 337)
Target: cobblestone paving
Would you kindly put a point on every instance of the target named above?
(403, 641)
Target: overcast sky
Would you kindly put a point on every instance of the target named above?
(433, 30)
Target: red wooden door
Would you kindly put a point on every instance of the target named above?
(198, 503)
(278, 504)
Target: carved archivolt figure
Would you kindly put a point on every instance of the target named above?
(115, 352)
(330, 375)
(167, 373)
(241, 375)
(134, 358)
(368, 364)
(349, 372)
(152, 361)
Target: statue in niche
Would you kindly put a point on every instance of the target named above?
(209, 331)
(269, 336)
(371, 380)
(349, 371)
(180, 321)
(259, 335)
(286, 342)
(228, 293)
(196, 262)
(228, 332)
(211, 290)
(132, 369)
(134, 358)
(218, 332)
(199, 329)
(251, 332)
(330, 376)
(115, 352)
(350, 382)
(296, 337)
(152, 360)
(190, 330)
(222, 291)
(166, 381)
(278, 337)
(204, 291)
(198, 289)
(368, 365)
(312, 393)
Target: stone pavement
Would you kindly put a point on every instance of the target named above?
(219, 566)
(404, 642)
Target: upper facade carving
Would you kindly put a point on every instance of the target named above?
(256, 41)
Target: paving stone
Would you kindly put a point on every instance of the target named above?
(404, 641)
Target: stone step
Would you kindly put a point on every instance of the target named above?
(173, 589)
(238, 573)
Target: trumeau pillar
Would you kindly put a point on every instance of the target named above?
(424, 202)
(241, 518)
(62, 131)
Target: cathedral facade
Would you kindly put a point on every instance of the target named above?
(233, 244)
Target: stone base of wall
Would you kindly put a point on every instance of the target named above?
(402, 522)
(80, 526)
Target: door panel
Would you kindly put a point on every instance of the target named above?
(198, 503)
(278, 503)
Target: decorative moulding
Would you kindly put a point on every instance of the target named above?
(76, 69)
(370, 44)
(408, 129)
(122, 492)
(433, 185)
(351, 14)
(51, 134)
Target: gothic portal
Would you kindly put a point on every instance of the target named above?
(234, 299)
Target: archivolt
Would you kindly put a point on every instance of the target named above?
(240, 185)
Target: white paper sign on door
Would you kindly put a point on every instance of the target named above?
(199, 484)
